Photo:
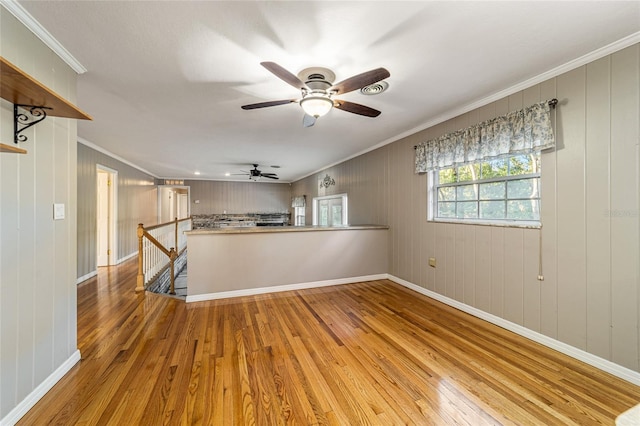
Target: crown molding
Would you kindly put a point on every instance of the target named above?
(616, 46)
(93, 146)
(35, 27)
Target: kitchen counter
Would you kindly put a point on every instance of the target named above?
(269, 229)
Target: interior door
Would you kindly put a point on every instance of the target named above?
(183, 206)
(103, 220)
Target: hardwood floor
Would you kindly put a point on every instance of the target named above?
(368, 353)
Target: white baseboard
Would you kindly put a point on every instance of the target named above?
(286, 287)
(94, 273)
(86, 277)
(127, 257)
(631, 417)
(26, 404)
(593, 360)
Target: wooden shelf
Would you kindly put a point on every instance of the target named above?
(12, 148)
(19, 87)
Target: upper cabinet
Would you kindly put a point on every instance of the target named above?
(32, 101)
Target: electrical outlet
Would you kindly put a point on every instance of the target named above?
(432, 262)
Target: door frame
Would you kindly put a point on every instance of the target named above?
(112, 232)
(161, 200)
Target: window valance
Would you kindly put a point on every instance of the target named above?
(523, 131)
(300, 201)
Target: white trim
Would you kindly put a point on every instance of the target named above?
(30, 400)
(593, 360)
(554, 72)
(127, 257)
(113, 212)
(35, 27)
(86, 277)
(532, 224)
(279, 288)
(631, 417)
(91, 145)
(94, 273)
(159, 202)
(345, 208)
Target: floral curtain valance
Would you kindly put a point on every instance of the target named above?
(523, 131)
(300, 201)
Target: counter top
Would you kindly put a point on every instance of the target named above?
(272, 229)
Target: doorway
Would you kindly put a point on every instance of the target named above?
(173, 202)
(106, 184)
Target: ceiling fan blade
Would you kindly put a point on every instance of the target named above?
(356, 108)
(359, 81)
(284, 75)
(268, 104)
(270, 177)
(268, 174)
(308, 120)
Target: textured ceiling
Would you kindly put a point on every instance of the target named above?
(166, 79)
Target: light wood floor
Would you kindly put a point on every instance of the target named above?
(368, 353)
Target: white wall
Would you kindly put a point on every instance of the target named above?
(37, 254)
(590, 297)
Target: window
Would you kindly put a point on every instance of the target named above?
(299, 204)
(506, 189)
(299, 213)
(330, 210)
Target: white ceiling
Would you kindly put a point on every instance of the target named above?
(166, 79)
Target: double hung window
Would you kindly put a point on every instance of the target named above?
(505, 189)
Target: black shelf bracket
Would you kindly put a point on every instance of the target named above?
(22, 121)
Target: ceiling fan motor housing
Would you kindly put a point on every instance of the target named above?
(317, 83)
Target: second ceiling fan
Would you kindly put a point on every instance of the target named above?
(318, 91)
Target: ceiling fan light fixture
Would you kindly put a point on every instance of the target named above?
(316, 105)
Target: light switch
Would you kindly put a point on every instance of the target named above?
(432, 262)
(58, 211)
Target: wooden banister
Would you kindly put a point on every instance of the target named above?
(140, 278)
(172, 253)
(156, 243)
(159, 225)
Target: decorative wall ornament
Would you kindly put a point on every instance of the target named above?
(327, 182)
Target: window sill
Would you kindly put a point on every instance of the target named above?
(499, 223)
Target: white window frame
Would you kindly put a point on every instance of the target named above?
(432, 201)
(345, 213)
(299, 216)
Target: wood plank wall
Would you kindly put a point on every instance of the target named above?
(590, 212)
(38, 255)
(137, 203)
(239, 197)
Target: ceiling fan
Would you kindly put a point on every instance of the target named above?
(256, 174)
(318, 91)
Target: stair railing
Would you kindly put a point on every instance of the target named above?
(154, 256)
